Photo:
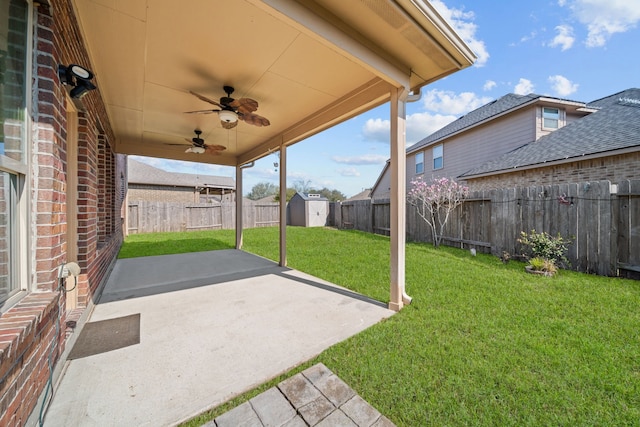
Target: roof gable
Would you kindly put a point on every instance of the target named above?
(615, 126)
(503, 105)
(494, 108)
(142, 173)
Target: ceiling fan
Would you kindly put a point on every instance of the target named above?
(198, 146)
(231, 110)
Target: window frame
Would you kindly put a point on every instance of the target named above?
(419, 170)
(435, 150)
(557, 118)
(19, 186)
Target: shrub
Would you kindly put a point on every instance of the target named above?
(545, 246)
(543, 264)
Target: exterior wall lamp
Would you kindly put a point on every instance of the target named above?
(77, 77)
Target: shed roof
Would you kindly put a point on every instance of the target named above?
(142, 173)
(614, 127)
(310, 197)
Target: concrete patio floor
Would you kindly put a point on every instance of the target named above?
(212, 325)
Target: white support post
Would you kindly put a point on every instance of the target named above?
(398, 198)
(239, 214)
(283, 206)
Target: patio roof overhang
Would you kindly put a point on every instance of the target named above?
(309, 64)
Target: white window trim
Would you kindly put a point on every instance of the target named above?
(560, 119)
(24, 220)
(421, 163)
(441, 156)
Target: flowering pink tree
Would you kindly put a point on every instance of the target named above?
(435, 201)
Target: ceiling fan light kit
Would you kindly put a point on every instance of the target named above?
(228, 116)
(197, 150)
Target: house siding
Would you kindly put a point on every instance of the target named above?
(35, 328)
(468, 149)
(613, 168)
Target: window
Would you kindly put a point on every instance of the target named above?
(8, 208)
(14, 42)
(437, 157)
(420, 162)
(550, 118)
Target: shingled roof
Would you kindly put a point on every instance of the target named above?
(142, 173)
(494, 108)
(614, 127)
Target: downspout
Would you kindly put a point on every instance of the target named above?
(411, 97)
(239, 214)
(414, 97)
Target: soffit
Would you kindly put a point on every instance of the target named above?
(306, 73)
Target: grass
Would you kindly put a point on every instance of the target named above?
(482, 344)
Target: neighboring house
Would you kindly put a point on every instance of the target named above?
(483, 135)
(308, 210)
(149, 183)
(363, 195)
(604, 145)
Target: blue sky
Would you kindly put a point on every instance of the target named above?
(574, 49)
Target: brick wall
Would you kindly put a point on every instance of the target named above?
(157, 193)
(613, 168)
(33, 331)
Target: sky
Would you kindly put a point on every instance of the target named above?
(580, 50)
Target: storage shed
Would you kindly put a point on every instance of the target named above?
(308, 210)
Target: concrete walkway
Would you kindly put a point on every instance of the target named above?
(212, 325)
(315, 397)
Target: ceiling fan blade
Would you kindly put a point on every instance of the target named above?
(205, 99)
(254, 119)
(228, 125)
(201, 112)
(244, 105)
(215, 149)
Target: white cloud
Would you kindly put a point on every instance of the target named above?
(603, 18)
(377, 130)
(562, 86)
(442, 107)
(488, 85)
(421, 125)
(564, 38)
(448, 102)
(523, 87)
(365, 159)
(349, 172)
(462, 22)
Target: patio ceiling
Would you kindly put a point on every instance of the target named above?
(309, 64)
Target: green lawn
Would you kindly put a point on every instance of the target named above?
(483, 343)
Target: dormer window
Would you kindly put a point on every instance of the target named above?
(550, 118)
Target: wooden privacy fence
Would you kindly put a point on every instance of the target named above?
(151, 217)
(602, 221)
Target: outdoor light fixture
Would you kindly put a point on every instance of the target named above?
(228, 116)
(78, 77)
